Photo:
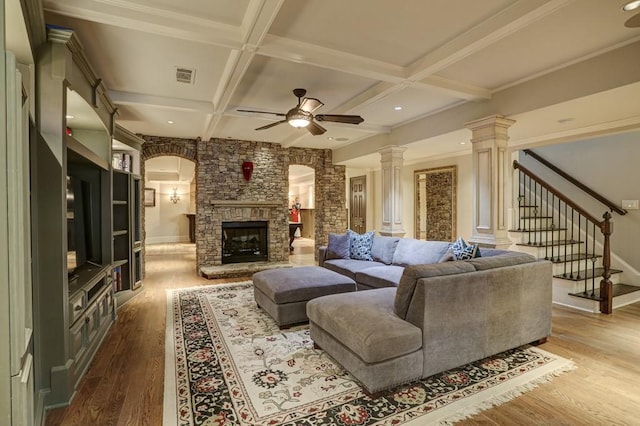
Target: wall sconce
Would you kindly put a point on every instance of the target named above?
(247, 170)
(174, 197)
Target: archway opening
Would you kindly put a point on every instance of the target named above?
(301, 210)
(170, 205)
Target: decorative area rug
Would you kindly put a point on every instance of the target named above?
(227, 363)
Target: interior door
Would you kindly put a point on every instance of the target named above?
(358, 204)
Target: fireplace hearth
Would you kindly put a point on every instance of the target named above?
(244, 242)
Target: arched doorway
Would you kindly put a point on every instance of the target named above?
(302, 209)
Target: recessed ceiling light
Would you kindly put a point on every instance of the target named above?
(397, 108)
(632, 5)
(170, 121)
(70, 116)
(462, 143)
(330, 138)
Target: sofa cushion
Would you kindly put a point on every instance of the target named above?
(507, 258)
(380, 276)
(416, 252)
(360, 245)
(366, 324)
(338, 247)
(350, 267)
(413, 273)
(383, 248)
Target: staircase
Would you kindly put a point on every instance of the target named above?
(551, 226)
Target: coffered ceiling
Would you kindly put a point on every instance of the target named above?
(550, 64)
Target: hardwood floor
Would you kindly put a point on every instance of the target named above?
(124, 384)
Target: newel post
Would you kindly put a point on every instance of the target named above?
(606, 287)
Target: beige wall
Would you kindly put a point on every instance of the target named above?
(166, 222)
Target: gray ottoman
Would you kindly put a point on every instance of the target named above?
(284, 293)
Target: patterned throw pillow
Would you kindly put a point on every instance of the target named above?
(360, 245)
(463, 251)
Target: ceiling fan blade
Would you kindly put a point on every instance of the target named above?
(338, 118)
(261, 112)
(268, 126)
(315, 129)
(310, 104)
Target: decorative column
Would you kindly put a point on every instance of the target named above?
(391, 161)
(491, 180)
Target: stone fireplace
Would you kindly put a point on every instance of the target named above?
(224, 195)
(238, 224)
(245, 242)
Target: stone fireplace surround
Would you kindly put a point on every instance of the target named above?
(222, 194)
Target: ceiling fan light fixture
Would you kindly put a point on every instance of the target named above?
(298, 119)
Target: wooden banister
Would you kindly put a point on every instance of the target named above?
(605, 225)
(557, 193)
(610, 204)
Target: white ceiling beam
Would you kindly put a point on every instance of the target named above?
(256, 23)
(128, 98)
(513, 18)
(572, 82)
(306, 53)
(453, 88)
(130, 15)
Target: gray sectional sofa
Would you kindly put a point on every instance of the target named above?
(419, 319)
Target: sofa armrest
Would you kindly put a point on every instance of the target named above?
(469, 316)
(322, 254)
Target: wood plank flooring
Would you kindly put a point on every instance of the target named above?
(124, 384)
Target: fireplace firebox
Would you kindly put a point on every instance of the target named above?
(244, 242)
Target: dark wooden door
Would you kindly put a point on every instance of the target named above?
(358, 204)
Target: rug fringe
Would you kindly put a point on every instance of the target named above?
(510, 395)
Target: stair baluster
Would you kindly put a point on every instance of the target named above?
(546, 230)
(530, 199)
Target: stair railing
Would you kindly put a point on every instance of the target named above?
(541, 208)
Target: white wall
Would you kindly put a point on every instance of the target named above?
(166, 222)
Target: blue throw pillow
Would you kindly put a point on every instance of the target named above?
(463, 251)
(360, 245)
(338, 247)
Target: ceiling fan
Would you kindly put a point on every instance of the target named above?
(302, 115)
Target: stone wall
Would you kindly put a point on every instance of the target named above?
(219, 177)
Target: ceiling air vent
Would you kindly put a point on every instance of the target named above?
(185, 75)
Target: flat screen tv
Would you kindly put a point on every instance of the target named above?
(83, 217)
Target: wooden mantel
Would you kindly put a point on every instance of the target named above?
(245, 203)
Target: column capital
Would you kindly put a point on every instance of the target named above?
(490, 121)
(391, 149)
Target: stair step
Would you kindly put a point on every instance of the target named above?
(586, 274)
(536, 217)
(575, 257)
(551, 243)
(618, 290)
(538, 230)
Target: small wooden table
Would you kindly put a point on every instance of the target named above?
(292, 232)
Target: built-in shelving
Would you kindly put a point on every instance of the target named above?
(126, 214)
